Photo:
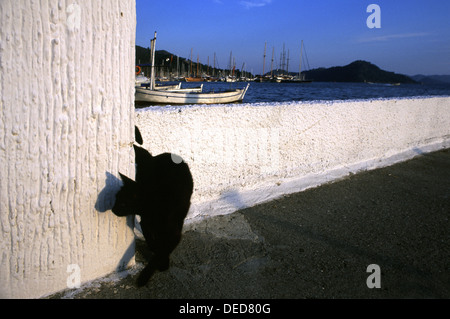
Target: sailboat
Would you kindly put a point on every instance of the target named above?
(195, 78)
(263, 78)
(301, 77)
(151, 95)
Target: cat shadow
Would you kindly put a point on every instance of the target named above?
(105, 201)
(107, 196)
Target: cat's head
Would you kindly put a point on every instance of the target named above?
(127, 199)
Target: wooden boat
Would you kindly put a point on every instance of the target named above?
(193, 79)
(178, 97)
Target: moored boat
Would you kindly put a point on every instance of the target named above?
(173, 88)
(169, 97)
(193, 79)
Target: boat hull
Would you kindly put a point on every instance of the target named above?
(167, 97)
(194, 79)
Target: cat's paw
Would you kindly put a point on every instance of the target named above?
(145, 276)
(163, 264)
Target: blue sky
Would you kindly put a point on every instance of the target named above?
(414, 36)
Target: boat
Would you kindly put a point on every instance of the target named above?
(196, 89)
(152, 95)
(178, 97)
(172, 88)
(211, 79)
(164, 87)
(301, 77)
(140, 77)
(193, 79)
(283, 78)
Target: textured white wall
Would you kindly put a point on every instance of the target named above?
(66, 128)
(241, 155)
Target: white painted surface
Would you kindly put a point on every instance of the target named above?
(66, 120)
(241, 155)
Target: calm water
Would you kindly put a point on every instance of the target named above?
(285, 92)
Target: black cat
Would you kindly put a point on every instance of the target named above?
(161, 195)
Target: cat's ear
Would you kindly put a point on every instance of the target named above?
(138, 136)
(126, 180)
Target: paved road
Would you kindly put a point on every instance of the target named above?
(317, 243)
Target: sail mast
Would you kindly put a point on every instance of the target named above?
(301, 57)
(190, 65)
(197, 67)
(264, 58)
(287, 65)
(152, 74)
(214, 69)
(271, 63)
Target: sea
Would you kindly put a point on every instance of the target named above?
(324, 91)
(268, 92)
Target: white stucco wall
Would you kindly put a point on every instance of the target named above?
(245, 154)
(66, 129)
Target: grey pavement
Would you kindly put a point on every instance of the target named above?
(315, 244)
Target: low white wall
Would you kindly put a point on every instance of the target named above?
(245, 154)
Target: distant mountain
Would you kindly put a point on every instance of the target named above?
(143, 56)
(357, 71)
(432, 79)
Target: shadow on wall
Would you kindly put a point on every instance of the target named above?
(107, 196)
(105, 201)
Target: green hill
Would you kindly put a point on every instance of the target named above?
(167, 62)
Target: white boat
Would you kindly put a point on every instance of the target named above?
(171, 88)
(177, 97)
(166, 87)
(153, 95)
(141, 79)
(178, 88)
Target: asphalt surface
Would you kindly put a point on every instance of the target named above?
(315, 244)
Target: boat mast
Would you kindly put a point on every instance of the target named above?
(271, 63)
(231, 62)
(287, 65)
(152, 74)
(190, 65)
(214, 69)
(234, 65)
(301, 57)
(197, 67)
(264, 58)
